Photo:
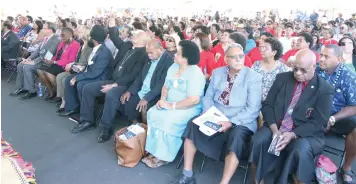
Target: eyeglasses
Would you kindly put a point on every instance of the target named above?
(302, 70)
(169, 40)
(239, 56)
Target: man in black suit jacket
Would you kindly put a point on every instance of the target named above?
(142, 94)
(96, 70)
(297, 107)
(9, 42)
(123, 76)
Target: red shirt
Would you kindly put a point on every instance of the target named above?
(185, 35)
(206, 62)
(255, 55)
(272, 31)
(292, 52)
(328, 42)
(221, 62)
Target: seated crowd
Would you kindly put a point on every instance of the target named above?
(298, 88)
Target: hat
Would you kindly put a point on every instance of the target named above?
(98, 33)
(176, 39)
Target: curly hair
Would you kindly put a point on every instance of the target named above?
(276, 45)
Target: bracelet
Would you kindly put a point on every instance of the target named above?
(174, 106)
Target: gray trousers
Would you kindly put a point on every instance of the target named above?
(26, 77)
(60, 80)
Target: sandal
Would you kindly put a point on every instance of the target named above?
(155, 163)
(350, 174)
(147, 158)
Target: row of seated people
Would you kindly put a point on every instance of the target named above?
(148, 84)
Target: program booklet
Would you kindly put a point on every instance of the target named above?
(48, 55)
(131, 132)
(273, 145)
(208, 122)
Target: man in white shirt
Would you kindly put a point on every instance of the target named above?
(287, 39)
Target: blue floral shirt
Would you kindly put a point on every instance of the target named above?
(344, 82)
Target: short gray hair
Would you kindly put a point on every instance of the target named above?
(52, 26)
(234, 45)
(338, 51)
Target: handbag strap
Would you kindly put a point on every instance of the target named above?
(141, 148)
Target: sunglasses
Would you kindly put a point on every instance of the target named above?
(303, 70)
(170, 40)
(240, 56)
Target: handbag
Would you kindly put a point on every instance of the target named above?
(131, 150)
(325, 171)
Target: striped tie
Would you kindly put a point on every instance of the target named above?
(287, 123)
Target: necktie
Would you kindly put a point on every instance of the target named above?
(287, 123)
(44, 42)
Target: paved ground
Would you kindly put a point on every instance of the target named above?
(43, 138)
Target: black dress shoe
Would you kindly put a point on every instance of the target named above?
(83, 127)
(55, 100)
(105, 135)
(18, 91)
(59, 105)
(185, 180)
(28, 95)
(68, 113)
(60, 110)
(48, 98)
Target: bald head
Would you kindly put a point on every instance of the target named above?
(154, 49)
(140, 39)
(305, 56)
(155, 44)
(304, 65)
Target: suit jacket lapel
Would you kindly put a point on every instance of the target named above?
(289, 92)
(308, 91)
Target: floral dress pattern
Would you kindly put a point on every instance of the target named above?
(268, 77)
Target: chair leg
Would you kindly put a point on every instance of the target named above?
(342, 161)
(202, 164)
(99, 114)
(12, 73)
(180, 162)
(246, 173)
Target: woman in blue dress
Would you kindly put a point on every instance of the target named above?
(180, 101)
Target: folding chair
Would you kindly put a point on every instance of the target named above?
(244, 167)
(335, 145)
(13, 61)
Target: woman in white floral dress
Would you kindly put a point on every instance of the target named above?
(270, 66)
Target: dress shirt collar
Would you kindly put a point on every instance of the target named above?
(96, 48)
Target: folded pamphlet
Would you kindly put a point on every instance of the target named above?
(48, 55)
(131, 132)
(273, 146)
(209, 122)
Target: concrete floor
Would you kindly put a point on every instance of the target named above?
(44, 138)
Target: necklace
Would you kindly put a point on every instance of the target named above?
(177, 76)
(125, 59)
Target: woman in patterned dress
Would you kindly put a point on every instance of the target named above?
(270, 66)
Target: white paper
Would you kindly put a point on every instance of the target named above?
(212, 115)
(48, 55)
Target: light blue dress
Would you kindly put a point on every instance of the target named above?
(165, 127)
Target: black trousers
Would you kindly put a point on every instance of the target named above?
(129, 109)
(89, 94)
(345, 126)
(111, 105)
(297, 158)
(73, 94)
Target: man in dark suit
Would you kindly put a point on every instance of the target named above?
(123, 76)
(142, 94)
(9, 42)
(297, 108)
(96, 70)
(26, 70)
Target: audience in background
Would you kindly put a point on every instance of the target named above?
(25, 27)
